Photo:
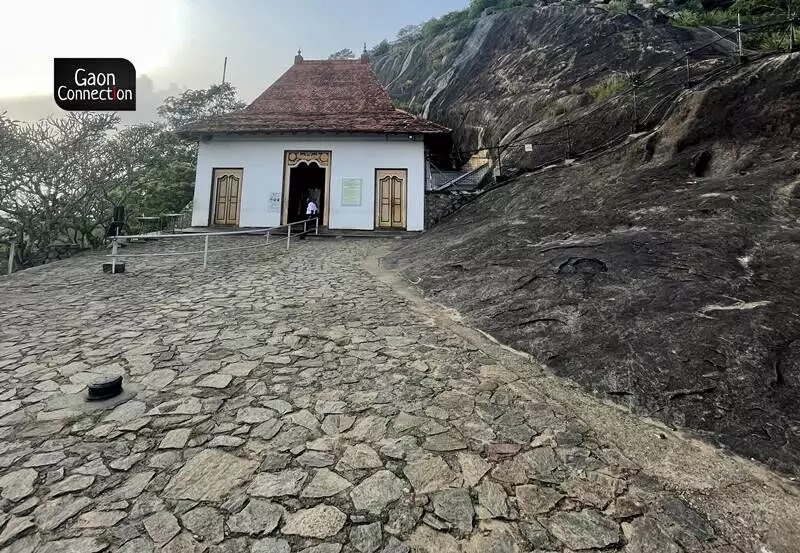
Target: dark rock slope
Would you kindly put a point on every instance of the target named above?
(664, 274)
(522, 71)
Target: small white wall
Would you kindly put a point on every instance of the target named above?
(262, 159)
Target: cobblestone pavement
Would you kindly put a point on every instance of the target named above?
(290, 403)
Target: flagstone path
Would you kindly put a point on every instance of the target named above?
(291, 403)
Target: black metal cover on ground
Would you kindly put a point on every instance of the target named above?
(105, 388)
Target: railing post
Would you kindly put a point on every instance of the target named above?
(316, 225)
(11, 258)
(305, 227)
(205, 252)
(267, 237)
(289, 236)
(114, 255)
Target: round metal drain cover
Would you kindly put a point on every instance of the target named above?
(105, 388)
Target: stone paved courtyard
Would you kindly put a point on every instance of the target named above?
(291, 402)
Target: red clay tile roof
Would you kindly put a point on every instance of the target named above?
(320, 96)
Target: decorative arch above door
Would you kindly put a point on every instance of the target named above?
(295, 158)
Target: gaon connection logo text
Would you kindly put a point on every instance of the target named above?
(94, 84)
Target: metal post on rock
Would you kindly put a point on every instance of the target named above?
(267, 242)
(289, 236)
(11, 258)
(205, 252)
(316, 225)
(739, 34)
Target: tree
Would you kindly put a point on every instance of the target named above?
(61, 177)
(55, 170)
(766, 7)
(381, 49)
(409, 32)
(192, 105)
(343, 54)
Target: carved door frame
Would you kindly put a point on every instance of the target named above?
(291, 159)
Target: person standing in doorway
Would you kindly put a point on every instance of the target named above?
(311, 209)
(311, 213)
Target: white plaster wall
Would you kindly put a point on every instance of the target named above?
(351, 158)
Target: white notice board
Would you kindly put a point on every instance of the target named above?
(351, 191)
(275, 202)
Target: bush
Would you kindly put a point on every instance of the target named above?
(718, 17)
(687, 18)
(608, 87)
(770, 41)
(620, 7)
(381, 49)
(558, 108)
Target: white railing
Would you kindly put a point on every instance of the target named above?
(115, 241)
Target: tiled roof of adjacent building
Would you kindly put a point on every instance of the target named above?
(320, 96)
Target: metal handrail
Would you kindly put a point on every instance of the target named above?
(463, 177)
(206, 235)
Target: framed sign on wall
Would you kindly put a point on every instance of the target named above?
(351, 191)
(275, 202)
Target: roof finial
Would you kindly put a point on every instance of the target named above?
(364, 54)
(365, 47)
(299, 57)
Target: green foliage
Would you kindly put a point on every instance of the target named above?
(751, 12)
(557, 108)
(60, 178)
(381, 49)
(762, 8)
(770, 40)
(697, 18)
(409, 32)
(343, 54)
(607, 88)
(192, 105)
(458, 21)
(686, 18)
(620, 7)
(722, 13)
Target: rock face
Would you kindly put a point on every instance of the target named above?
(515, 72)
(619, 271)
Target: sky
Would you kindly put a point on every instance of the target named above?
(180, 44)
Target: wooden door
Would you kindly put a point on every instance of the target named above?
(226, 196)
(391, 198)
